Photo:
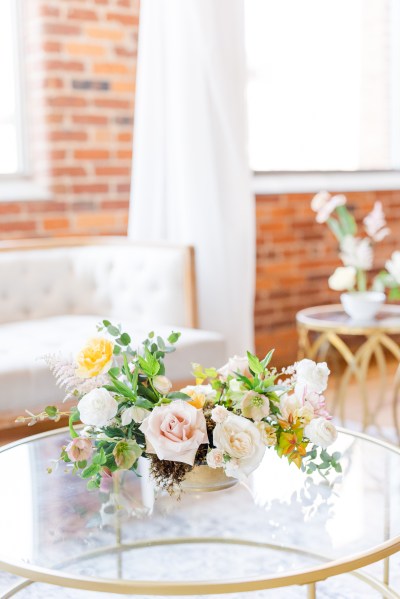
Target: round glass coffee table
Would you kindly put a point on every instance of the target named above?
(283, 528)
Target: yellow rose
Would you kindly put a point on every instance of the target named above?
(95, 358)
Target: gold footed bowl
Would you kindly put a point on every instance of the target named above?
(203, 479)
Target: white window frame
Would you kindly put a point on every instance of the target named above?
(20, 185)
(312, 182)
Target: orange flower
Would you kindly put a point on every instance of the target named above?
(198, 399)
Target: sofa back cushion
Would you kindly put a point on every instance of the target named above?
(145, 283)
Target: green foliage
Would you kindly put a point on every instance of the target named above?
(254, 364)
(394, 294)
(173, 337)
(326, 463)
(347, 221)
(267, 358)
(179, 395)
(74, 417)
(52, 412)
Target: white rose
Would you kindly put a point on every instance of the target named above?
(162, 384)
(134, 413)
(215, 458)
(311, 377)
(219, 413)
(357, 252)
(321, 432)
(343, 278)
(393, 266)
(240, 439)
(97, 407)
(236, 364)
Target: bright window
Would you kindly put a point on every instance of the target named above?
(324, 84)
(11, 121)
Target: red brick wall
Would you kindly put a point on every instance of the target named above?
(295, 257)
(81, 83)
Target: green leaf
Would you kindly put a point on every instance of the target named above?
(91, 471)
(74, 417)
(179, 395)
(243, 379)
(154, 366)
(394, 294)
(335, 227)
(347, 221)
(99, 458)
(267, 358)
(115, 371)
(147, 392)
(173, 337)
(82, 464)
(125, 339)
(117, 350)
(134, 380)
(106, 323)
(114, 331)
(160, 342)
(127, 369)
(254, 364)
(211, 373)
(93, 484)
(151, 335)
(122, 388)
(141, 402)
(112, 431)
(51, 411)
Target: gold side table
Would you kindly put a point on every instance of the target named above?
(322, 329)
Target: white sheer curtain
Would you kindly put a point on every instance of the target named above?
(191, 182)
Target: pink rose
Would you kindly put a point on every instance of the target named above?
(175, 431)
(79, 449)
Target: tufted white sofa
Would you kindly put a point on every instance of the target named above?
(53, 293)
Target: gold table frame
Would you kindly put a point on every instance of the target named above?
(329, 324)
(308, 577)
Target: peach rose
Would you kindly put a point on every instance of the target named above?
(175, 431)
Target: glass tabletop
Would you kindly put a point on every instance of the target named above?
(133, 537)
(334, 317)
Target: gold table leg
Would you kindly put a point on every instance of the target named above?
(312, 591)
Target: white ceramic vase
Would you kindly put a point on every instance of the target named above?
(362, 305)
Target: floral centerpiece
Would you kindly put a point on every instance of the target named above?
(226, 419)
(357, 254)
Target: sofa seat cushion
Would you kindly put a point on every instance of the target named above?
(25, 381)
